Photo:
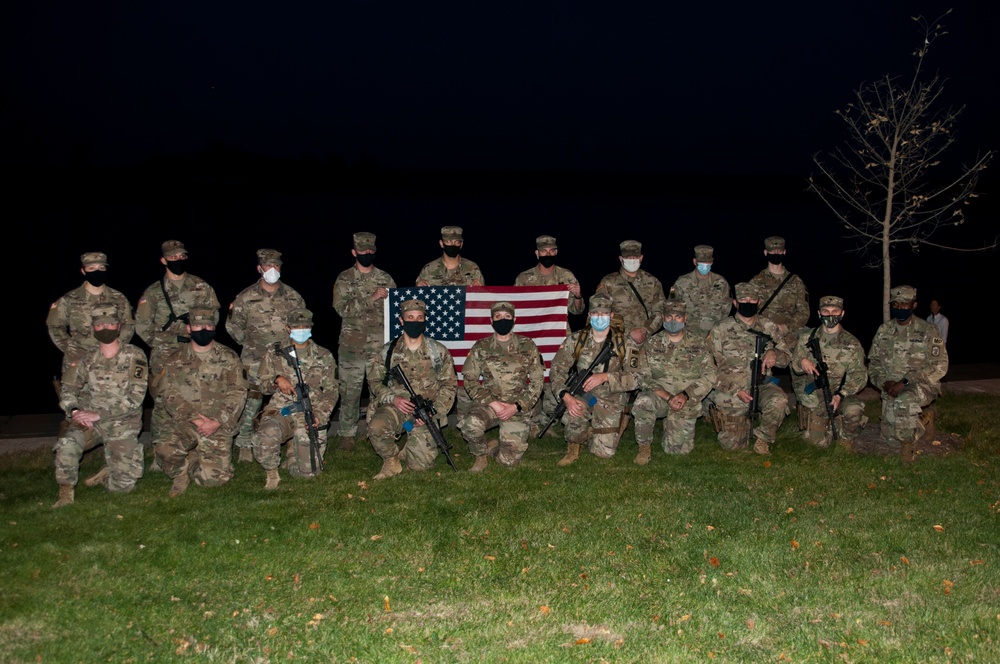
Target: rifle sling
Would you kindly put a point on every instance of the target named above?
(638, 297)
(775, 293)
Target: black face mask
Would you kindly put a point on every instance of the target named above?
(106, 336)
(747, 309)
(202, 337)
(547, 261)
(776, 259)
(365, 260)
(901, 315)
(831, 321)
(503, 326)
(451, 250)
(178, 266)
(96, 278)
(414, 328)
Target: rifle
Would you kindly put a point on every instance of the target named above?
(822, 381)
(424, 410)
(575, 383)
(756, 376)
(303, 405)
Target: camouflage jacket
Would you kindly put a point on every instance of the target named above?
(70, 326)
(628, 307)
(559, 275)
(430, 370)
(511, 372)
(153, 312)
(685, 366)
(319, 371)
(257, 320)
(114, 387)
(733, 346)
(914, 351)
(844, 357)
(708, 299)
(790, 307)
(622, 375)
(212, 383)
(436, 274)
(362, 324)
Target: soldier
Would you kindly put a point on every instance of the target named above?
(256, 322)
(733, 346)
(430, 370)
(203, 386)
(512, 374)
(69, 322)
(594, 418)
(451, 269)
(676, 372)
(636, 295)
(906, 363)
(846, 372)
(358, 296)
(162, 313)
(282, 419)
(705, 293)
(102, 396)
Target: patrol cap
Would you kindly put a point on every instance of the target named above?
(299, 318)
(105, 313)
(451, 233)
(600, 303)
(269, 257)
(502, 306)
(203, 316)
(774, 243)
(172, 248)
(744, 289)
(412, 305)
(831, 301)
(703, 253)
(678, 307)
(630, 248)
(94, 258)
(364, 241)
(545, 242)
(903, 294)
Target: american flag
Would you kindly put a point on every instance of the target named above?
(458, 316)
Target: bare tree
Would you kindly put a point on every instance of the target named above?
(880, 183)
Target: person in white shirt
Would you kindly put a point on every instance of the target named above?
(939, 320)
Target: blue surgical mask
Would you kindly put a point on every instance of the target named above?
(302, 335)
(673, 326)
(599, 322)
(704, 268)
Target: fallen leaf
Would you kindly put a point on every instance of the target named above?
(376, 538)
(885, 623)
(871, 486)
(709, 528)
(948, 585)
(656, 618)
(490, 558)
(789, 510)
(388, 630)
(936, 443)
(545, 610)
(767, 464)
(975, 562)
(939, 528)
(387, 603)
(582, 642)
(363, 484)
(751, 624)
(269, 577)
(318, 616)
(409, 649)
(619, 643)
(272, 631)
(795, 544)
(313, 526)
(904, 560)
(714, 562)
(862, 642)
(721, 635)
(524, 545)
(685, 617)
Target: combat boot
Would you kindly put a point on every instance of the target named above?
(906, 451)
(180, 484)
(246, 454)
(572, 454)
(98, 478)
(390, 466)
(642, 458)
(65, 496)
(480, 464)
(760, 446)
(346, 443)
(492, 445)
(272, 480)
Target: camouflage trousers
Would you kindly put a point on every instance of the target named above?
(122, 454)
(385, 426)
(253, 405)
(678, 425)
(901, 416)
(513, 433)
(274, 430)
(544, 408)
(597, 428)
(207, 460)
(815, 423)
(773, 406)
(352, 368)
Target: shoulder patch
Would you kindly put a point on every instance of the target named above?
(139, 371)
(935, 351)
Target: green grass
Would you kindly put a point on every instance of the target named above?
(810, 555)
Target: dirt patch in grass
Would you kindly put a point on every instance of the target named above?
(939, 444)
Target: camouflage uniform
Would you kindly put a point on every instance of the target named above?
(845, 361)
(708, 298)
(256, 322)
(361, 330)
(646, 314)
(115, 388)
(319, 371)
(512, 372)
(913, 353)
(733, 347)
(69, 319)
(212, 383)
(430, 370)
(683, 367)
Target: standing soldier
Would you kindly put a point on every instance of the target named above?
(906, 363)
(69, 321)
(102, 396)
(358, 296)
(512, 373)
(705, 293)
(846, 374)
(203, 386)
(283, 419)
(452, 269)
(256, 322)
(733, 345)
(430, 370)
(636, 295)
(676, 372)
(593, 418)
